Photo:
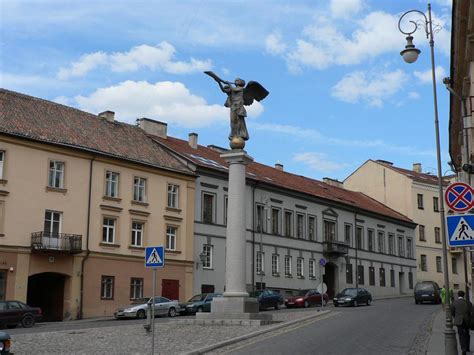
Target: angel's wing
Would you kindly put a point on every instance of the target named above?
(254, 91)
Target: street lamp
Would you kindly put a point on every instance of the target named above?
(410, 55)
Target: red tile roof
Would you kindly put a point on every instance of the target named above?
(46, 121)
(210, 158)
(415, 176)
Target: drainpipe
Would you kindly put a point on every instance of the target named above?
(81, 301)
(253, 236)
(356, 248)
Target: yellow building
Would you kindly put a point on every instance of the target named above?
(81, 196)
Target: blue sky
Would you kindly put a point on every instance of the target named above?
(339, 91)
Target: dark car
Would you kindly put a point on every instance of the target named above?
(353, 297)
(198, 303)
(5, 343)
(306, 298)
(427, 291)
(267, 299)
(13, 313)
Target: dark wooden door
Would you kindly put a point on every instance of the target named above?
(170, 289)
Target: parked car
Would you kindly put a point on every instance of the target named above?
(306, 298)
(5, 343)
(427, 291)
(13, 313)
(138, 309)
(353, 297)
(267, 299)
(198, 303)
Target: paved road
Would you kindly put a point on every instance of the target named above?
(395, 326)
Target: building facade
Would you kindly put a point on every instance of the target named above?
(81, 196)
(414, 194)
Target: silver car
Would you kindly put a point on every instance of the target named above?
(138, 309)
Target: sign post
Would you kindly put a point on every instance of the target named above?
(322, 264)
(154, 258)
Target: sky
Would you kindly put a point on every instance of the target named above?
(340, 93)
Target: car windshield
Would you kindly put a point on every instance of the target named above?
(302, 293)
(198, 298)
(349, 292)
(424, 287)
(255, 294)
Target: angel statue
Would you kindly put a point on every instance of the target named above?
(239, 95)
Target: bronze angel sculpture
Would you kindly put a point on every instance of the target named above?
(238, 96)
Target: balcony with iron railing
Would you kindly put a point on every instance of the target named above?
(335, 248)
(56, 242)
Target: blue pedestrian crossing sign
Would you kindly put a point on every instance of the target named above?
(460, 230)
(155, 256)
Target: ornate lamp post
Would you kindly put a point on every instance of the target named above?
(410, 55)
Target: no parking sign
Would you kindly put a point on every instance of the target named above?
(459, 197)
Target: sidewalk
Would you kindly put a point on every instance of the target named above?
(436, 343)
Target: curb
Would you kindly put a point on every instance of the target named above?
(252, 335)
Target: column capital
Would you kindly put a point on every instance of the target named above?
(237, 156)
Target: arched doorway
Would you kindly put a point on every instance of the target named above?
(329, 278)
(46, 290)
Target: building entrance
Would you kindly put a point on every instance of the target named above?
(329, 279)
(46, 290)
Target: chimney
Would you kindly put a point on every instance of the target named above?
(417, 167)
(279, 166)
(155, 128)
(193, 140)
(108, 115)
(333, 182)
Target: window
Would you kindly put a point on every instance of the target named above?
(454, 265)
(381, 240)
(349, 276)
(437, 233)
(300, 226)
(409, 248)
(311, 228)
(208, 206)
(392, 278)
(260, 218)
(288, 224)
(137, 234)
(173, 196)
(287, 265)
(391, 244)
(421, 231)
(438, 264)
(312, 268)
(2, 161)
(171, 238)
(371, 276)
(401, 249)
(107, 288)
(329, 230)
(275, 264)
(359, 237)
(226, 208)
(108, 230)
(300, 267)
(52, 224)
(207, 251)
(423, 263)
(419, 198)
(347, 233)
(382, 277)
(410, 280)
(435, 204)
(276, 215)
(136, 288)
(370, 239)
(139, 189)
(56, 174)
(360, 274)
(3, 284)
(111, 184)
(260, 263)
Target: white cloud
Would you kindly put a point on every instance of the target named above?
(413, 95)
(166, 101)
(274, 44)
(318, 161)
(425, 77)
(160, 57)
(370, 88)
(345, 8)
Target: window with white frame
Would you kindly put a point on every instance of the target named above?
(275, 264)
(260, 218)
(312, 268)
(276, 218)
(173, 196)
(437, 233)
(107, 288)
(329, 231)
(137, 234)
(438, 264)
(391, 244)
(171, 237)
(381, 241)
(409, 248)
(208, 208)
(401, 247)
(52, 224)
(2, 162)
(311, 228)
(207, 261)
(260, 263)
(300, 225)
(56, 174)
(136, 288)
(370, 240)
(111, 184)
(139, 189)
(300, 267)
(288, 224)
(287, 265)
(348, 233)
(108, 230)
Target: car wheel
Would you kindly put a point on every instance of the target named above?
(369, 301)
(199, 310)
(28, 321)
(306, 304)
(172, 312)
(416, 302)
(336, 305)
(141, 314)
(354, 304)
